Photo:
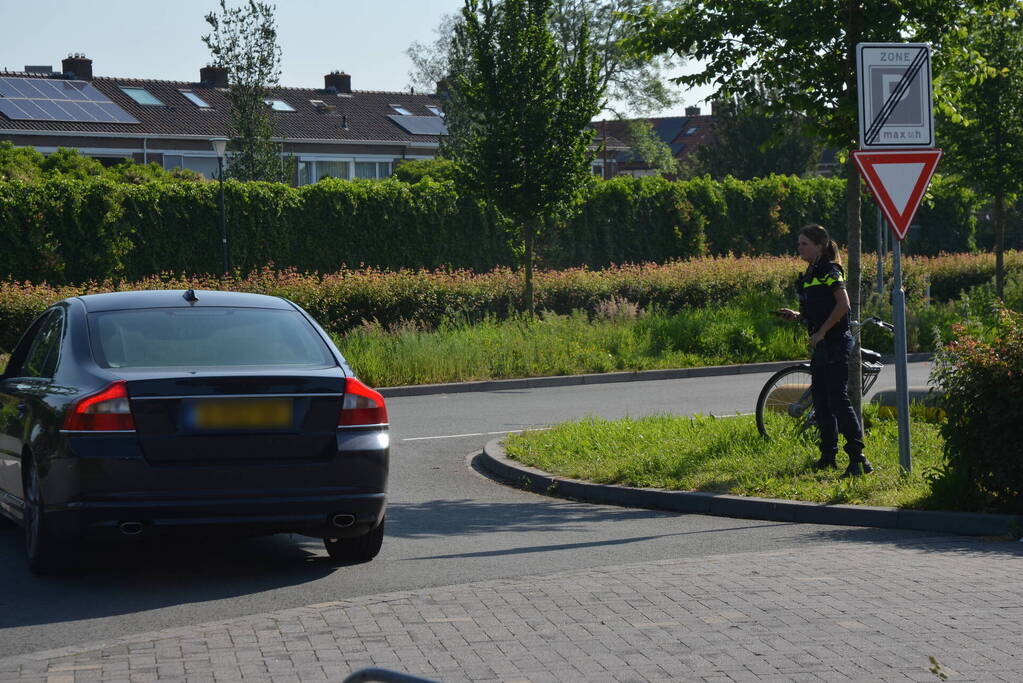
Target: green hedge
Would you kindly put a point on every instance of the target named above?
(65, 230)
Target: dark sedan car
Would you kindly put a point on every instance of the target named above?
(167, 411)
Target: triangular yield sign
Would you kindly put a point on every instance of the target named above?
(898, 180)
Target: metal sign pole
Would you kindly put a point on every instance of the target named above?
(901, 381)
(896, 158)
(880, 252)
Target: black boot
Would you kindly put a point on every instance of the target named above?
(827, 462)
(857, 467)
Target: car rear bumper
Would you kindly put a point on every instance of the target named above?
(319, 515)
(103, 483)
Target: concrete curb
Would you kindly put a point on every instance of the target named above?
(493, 460)
(601, 378)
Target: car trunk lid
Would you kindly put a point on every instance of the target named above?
(259, 417)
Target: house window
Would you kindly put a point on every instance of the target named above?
(437, 111)
(142, 96)
(194, 99)
(401, 110)
(205, 165)
(279, 105)
(691, 131)
(312, 171)
(332, 169)
(372, 169)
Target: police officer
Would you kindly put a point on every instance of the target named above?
(824, 307)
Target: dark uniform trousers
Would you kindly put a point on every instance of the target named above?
(834, 413)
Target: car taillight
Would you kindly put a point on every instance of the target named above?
(105, 411)
(362, 406)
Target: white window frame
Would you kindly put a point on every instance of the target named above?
(351, 160)
(400, 110)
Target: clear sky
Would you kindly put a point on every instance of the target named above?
(161, 39)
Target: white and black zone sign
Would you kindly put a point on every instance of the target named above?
(895, 95)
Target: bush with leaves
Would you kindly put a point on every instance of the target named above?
(22, 164)
(417, 169)
(980, 374)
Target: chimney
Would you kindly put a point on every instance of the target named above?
(443, 89)
(338, 82)
(78, 66)
(692, 111)
(213, 76)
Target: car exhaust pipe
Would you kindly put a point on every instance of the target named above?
(343, 520)
(130, 528)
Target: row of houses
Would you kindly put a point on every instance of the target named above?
(331, 130)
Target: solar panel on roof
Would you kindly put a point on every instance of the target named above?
(421, 125)
(10, 109)
(40, 99)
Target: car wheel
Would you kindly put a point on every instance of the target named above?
(46, 552)
(359, 549)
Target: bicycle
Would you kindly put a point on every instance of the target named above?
(787, 392)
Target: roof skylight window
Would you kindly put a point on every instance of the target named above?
(279, 105)
(195, 99)
(691, 131)
(401, 110)
(142, 96)
(437, 111)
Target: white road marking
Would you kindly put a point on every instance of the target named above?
(459, 436)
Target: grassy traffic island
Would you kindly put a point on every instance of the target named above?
(728, 455)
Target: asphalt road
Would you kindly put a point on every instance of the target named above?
(447, 524)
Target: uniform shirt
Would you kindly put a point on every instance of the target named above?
(816, 291)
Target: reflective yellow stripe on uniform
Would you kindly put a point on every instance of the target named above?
(827, 281)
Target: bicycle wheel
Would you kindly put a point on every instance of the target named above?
(785, 402)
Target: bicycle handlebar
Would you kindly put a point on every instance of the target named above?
(873, 320)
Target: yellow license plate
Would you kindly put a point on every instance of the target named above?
(249, 413)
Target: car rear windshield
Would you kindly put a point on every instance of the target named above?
(185, 337)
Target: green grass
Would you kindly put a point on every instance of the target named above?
(619, 338)
(729, 456)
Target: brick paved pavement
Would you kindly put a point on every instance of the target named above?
(833, 611)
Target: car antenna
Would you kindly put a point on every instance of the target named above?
(190, 296)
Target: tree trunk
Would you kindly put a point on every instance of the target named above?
(1000, 244)
(852, 207)
(530, 230)
(854, 31)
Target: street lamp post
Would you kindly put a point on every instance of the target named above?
(219, 147)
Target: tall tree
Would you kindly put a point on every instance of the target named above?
(984, 141)
(527, 106)
(633, 84)
(750, 142)
(243, 40)
(804, 53)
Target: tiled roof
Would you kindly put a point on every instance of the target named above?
(365, 113)
(670, 129)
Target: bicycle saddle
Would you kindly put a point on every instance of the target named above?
(869, 356)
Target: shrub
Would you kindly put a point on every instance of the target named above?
(416, 170)
(981, 378)
(346, 298)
